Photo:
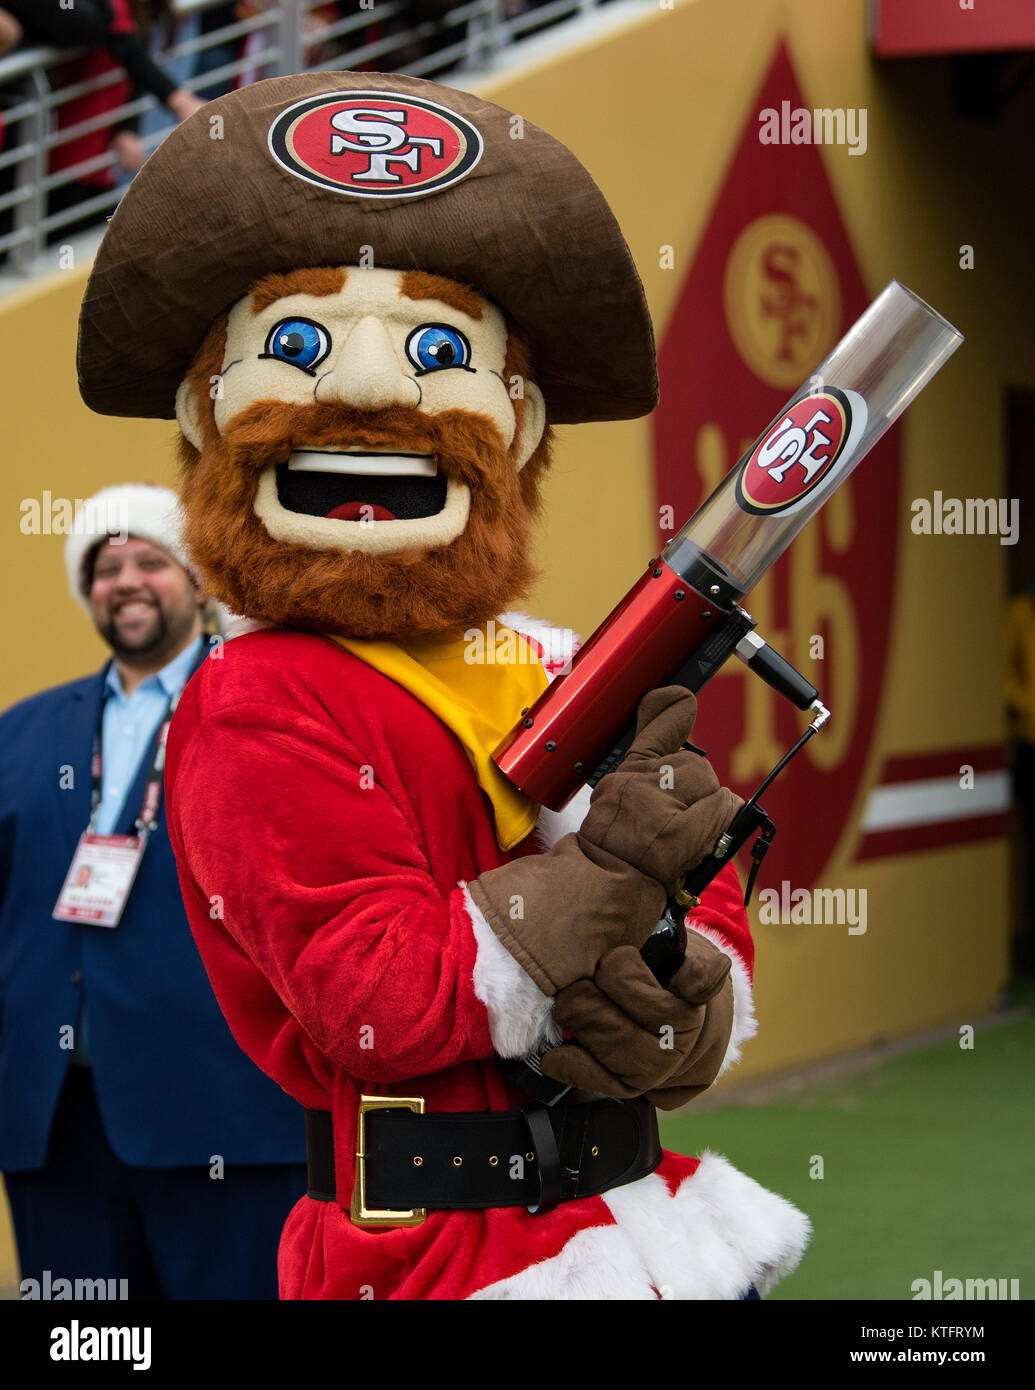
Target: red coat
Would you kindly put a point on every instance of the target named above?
(325, 824)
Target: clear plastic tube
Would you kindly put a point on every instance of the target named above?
(824, 432)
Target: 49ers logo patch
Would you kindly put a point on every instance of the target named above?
(374, 144)
(805, 448)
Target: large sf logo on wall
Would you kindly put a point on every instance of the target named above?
(781, 298)
(772, 288)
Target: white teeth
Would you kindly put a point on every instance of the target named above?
(362, 461)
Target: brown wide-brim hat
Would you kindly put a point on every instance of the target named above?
(310, 170)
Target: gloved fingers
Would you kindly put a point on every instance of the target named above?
(703, 972)
(698, 1071)
(692, 833)
(690, 777)
(640, 1056)
(574, 1066)
(624, 978)
(703, 1064)
(664, 722)
(662, 824)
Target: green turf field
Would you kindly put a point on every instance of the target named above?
(928, 1164)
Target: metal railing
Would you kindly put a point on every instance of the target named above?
(279, 39)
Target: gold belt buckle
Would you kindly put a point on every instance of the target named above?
(359, 1213)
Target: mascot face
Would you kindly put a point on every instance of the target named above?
(362, 454)
(362, 449)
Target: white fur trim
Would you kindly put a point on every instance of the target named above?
(144, 510)
(552, 826)
(720, 1233)
(745, 1024)
(519, 1013)
(559, 644)
(597, 1263)
(239, 627)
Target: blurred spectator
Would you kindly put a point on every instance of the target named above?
(137, 1141)
(196, 66)
(109, 30)
(10, 32)
(210, 59)
(251, 45)
(254, 42)
(413, 49)
(315, 22)
(110, 24)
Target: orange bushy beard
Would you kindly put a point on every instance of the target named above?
(410, 594)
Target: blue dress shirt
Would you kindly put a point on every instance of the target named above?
(129, 725)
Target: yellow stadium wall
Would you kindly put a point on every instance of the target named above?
(937, 944)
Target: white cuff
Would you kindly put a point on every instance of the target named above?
(520, 1017)
(745, 1025)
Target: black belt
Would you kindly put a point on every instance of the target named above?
(533, 1156)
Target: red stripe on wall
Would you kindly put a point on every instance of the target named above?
(918, 767)
(913, 839)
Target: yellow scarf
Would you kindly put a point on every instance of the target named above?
(477, 684)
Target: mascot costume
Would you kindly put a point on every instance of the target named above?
(365, 298)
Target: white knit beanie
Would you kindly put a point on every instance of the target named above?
(145, 510)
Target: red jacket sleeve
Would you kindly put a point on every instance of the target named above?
(321, 884)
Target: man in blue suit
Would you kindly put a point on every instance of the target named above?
(137, 1141)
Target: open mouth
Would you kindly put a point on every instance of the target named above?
(361, 484)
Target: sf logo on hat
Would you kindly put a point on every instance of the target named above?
(374, 144)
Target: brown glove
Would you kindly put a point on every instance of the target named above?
(635, 1037)
(649, 823)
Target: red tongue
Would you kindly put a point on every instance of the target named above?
(361, 511)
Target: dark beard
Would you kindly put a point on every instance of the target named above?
(127, 652)
(416, 593)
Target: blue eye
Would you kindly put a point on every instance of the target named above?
(433, 347)
(299, 342)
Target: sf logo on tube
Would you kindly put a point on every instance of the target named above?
(807, 447)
